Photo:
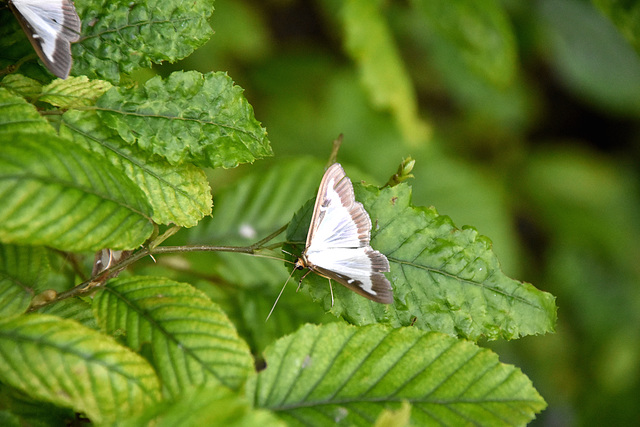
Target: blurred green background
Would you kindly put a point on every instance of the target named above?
(523, 119)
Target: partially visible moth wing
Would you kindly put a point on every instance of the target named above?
(338, 240)
(51, 26)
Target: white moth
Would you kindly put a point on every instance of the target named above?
(338, 241)
(51, 26)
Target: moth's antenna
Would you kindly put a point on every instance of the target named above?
(279, 295)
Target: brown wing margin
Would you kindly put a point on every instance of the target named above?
(344, 188)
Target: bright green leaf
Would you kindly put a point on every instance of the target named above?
(206, 407)
(55, 193)
(371, 45)
(62, 362)
(120, 36)
(189, 117)
(190, 339)
(444, 279)
(179, 194)
(20, 269)
(16, 114)
(74, 92)
(24, 86)
(74, 309)
(323, 375)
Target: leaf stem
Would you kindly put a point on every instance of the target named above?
(152, 249)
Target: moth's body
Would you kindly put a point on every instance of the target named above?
(51, 26)
(338, 241)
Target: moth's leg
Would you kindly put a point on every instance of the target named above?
(302, 278)
(331, 289)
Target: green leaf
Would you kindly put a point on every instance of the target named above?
(206, 407)
(62, 362)
(16, 114)
(74, 92)
(34, 413)
(121, 36)
(190, 340)
(189, 117)
(74, 309)
(323, 375)
(369, 42)
(55, 193)
(178, 194)
(20, 269)
(444, 279)
(590, 55)
(477, 33)
(24, 86)
(624, 15)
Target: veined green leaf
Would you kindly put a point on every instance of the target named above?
(206, 406)
(190, 339)
(74, 309)
(74, 92)
(444, 279)
(179, 194)
(370, 44)
(336, 373)
(20, 269)
(120, 36)
(22, 85)
(62, 362)
(189, 117)
(477, 32)
(32, 412)
(55, 193)
(16, 114)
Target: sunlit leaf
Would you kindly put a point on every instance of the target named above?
(206, 407)
(16, 114)
(190, 339)
(62, 362)
(74, 92)
(323, 375)
(55, 193)
(189, 117)
(179, 194)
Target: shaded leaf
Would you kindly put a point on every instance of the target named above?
(369, 42)
(189, 117)
(74, 92)
(190, 339)
(20, 269)
(121, 36)
(34, 413)
(323, 375)
(16, 114)
(179, 194)
(591, 56)
(448, 279)
(55, 193)
(624, 15)
(477, 33)
(207, 407)
(62, 362)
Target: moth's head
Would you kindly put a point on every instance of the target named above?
(300, 264)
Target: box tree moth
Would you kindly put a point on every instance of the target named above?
(338, 241)
(51, 26)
